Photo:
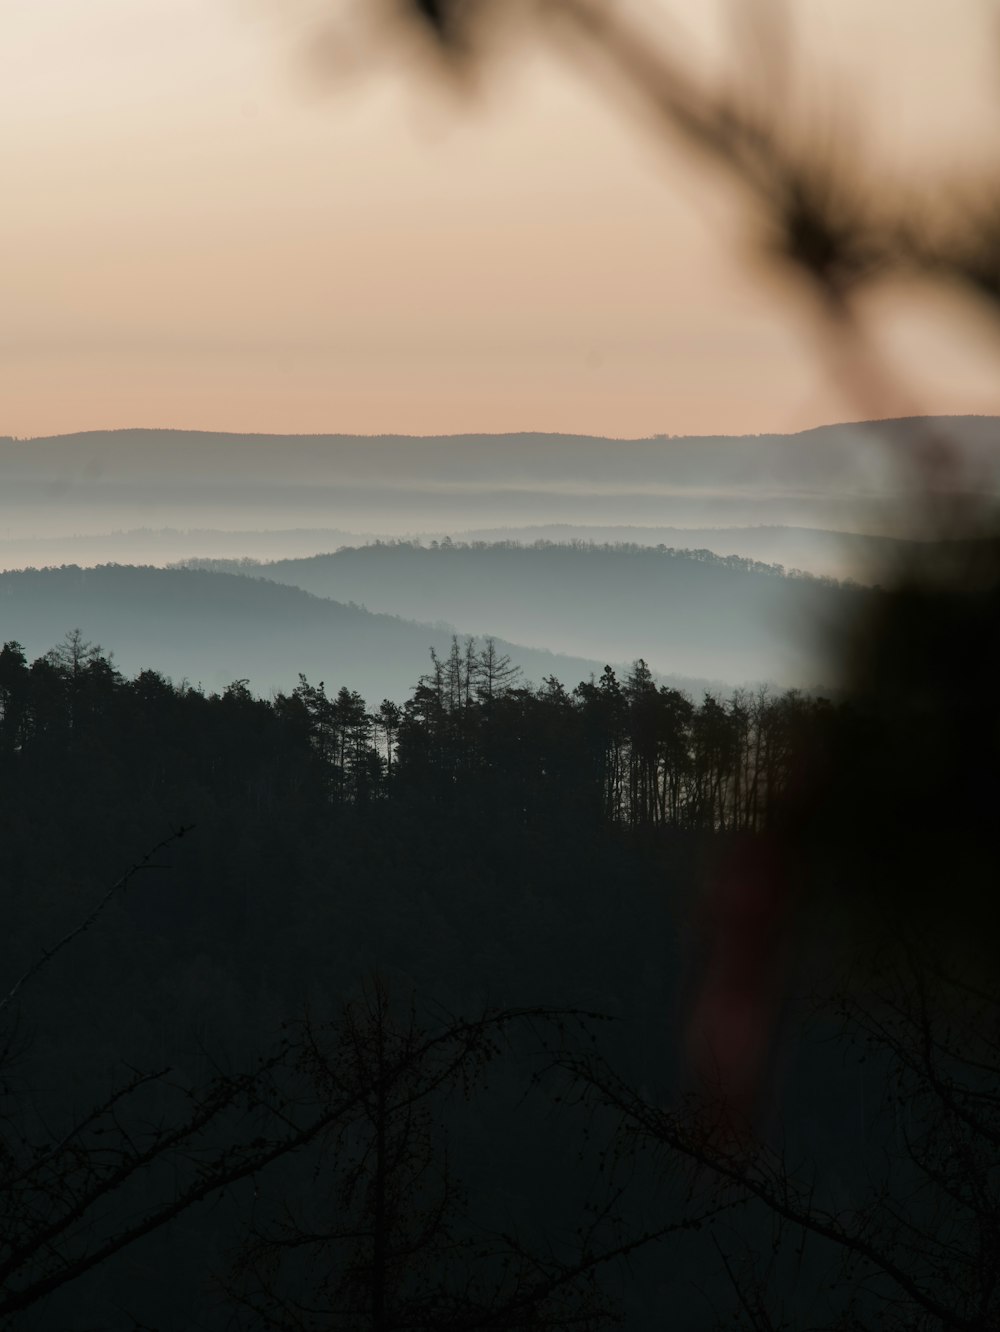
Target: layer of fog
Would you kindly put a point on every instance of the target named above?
(159, 496)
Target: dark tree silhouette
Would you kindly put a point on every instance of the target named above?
(916, 1242)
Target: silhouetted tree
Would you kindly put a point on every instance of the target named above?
(911, 1238)
(493, 673)
(14, 696)
(604, 721)
(388, 719)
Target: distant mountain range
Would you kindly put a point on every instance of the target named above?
(841, 477)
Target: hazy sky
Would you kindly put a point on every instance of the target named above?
(197, 231)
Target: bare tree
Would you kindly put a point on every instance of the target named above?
(917, 1242)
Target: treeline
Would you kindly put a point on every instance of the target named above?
(629, 752)
(700, 555)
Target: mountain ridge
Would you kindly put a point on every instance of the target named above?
(841, 476)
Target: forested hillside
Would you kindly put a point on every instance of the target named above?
(824, 553)
(828, 554)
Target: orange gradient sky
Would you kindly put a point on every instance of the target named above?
(196, 234)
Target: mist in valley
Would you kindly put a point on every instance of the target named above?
(426, 528)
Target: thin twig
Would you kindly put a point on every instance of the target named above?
(144, 863)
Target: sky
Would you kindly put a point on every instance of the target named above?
(205, 227)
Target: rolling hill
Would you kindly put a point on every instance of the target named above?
(212, 628)
(686, 612)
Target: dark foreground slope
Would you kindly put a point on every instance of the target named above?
(213, 628)
(683, 611)
(485, 863)
(282, 894)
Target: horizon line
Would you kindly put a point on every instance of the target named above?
(499, 434)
